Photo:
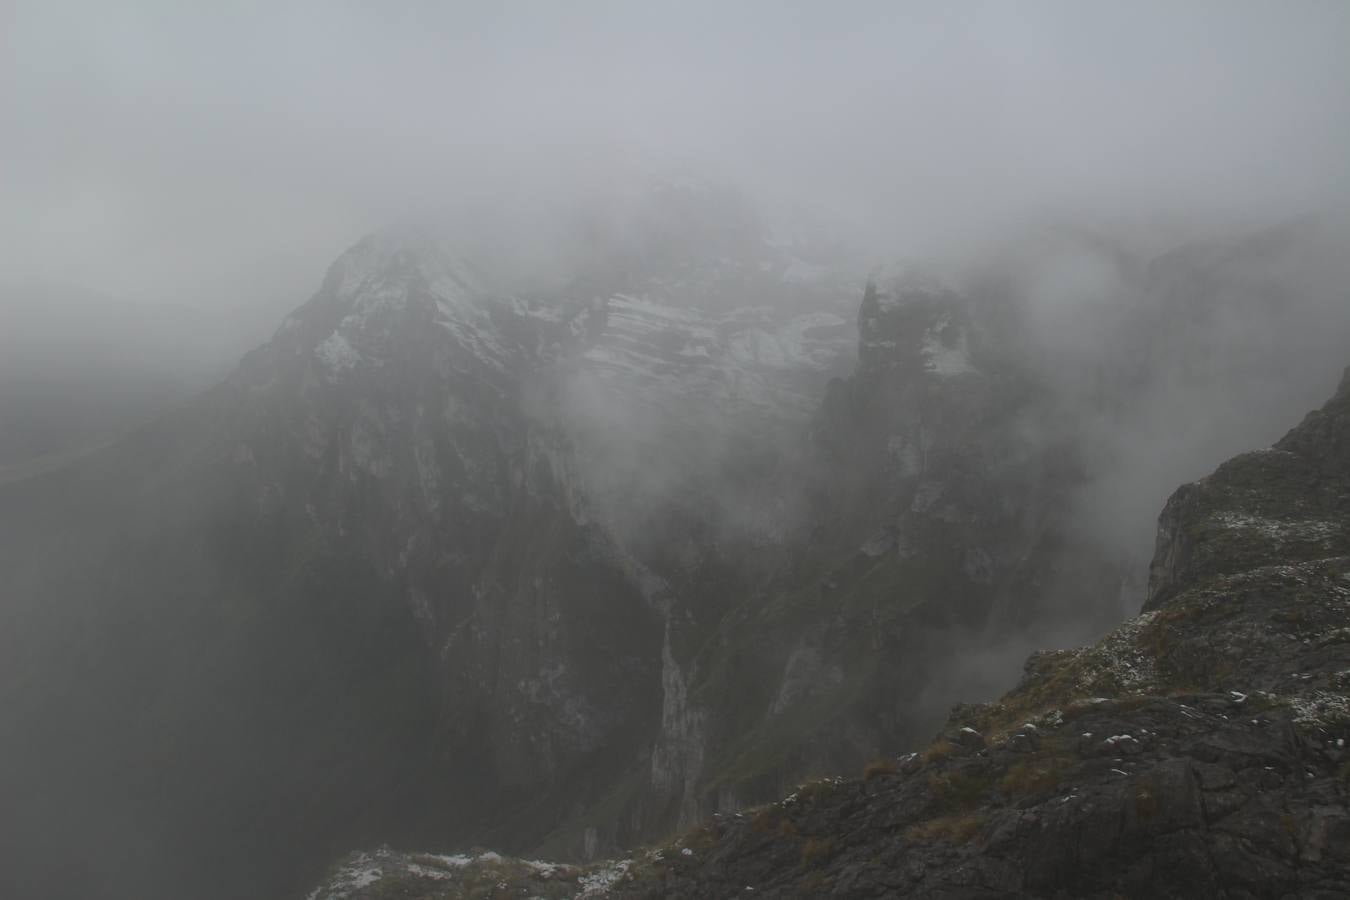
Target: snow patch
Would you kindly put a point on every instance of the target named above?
(1321, 708)
(361, 871)
(1310, 530)
(337, 353)
(598, 882)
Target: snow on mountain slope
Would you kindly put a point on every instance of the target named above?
(381, 281)
(753, 334)
(655, 373)
(737, 359)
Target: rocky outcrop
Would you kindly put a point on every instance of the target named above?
(1197, 750)
(1283, 505)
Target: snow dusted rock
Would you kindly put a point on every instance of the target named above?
(968, 738)
(1283, 505)
(386, 873)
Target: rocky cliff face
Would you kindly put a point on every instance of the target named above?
(1197, 750)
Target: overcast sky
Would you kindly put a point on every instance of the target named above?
(164, 150)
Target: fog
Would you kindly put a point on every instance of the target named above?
(167, 151)
(188, 171)
(1147, 202)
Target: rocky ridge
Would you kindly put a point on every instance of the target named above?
(1197, 750)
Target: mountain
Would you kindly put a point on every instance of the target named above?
(933, 517)
(377, 581)
(1199, 749)
(564, 544)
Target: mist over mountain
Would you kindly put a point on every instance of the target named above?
(563, 556)
(561, 428)
(1129, 767)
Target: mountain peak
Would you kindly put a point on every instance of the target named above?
(401, 252)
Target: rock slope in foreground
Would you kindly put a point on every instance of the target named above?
(1197, 750)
